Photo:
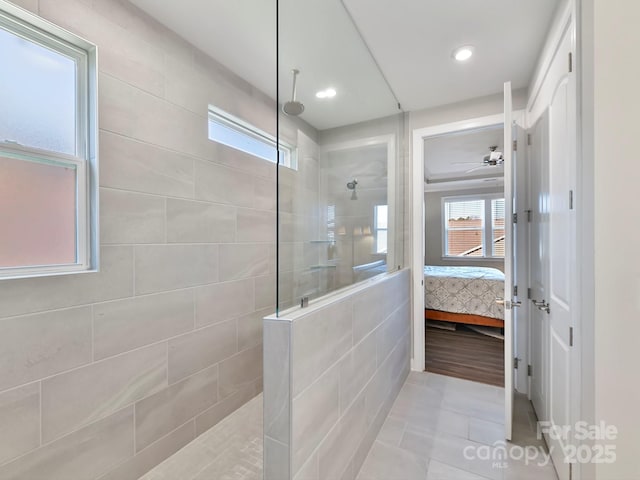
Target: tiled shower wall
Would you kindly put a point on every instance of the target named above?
(332, 373)
(103, 375)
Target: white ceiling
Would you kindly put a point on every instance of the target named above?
(450, 157)
(411, 40)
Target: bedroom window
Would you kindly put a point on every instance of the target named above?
(380, 228)
(48, 161)
(233, 132)
(473, 227)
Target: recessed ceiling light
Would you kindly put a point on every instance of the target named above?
(462, 54)
(328, 93)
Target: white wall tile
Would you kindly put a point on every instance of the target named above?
(36, 346)
(127, 217)
(200, 222)
(256, 226)
(194, 351)
(314, 414)
(143, 461)
(168, 267)
(19, 421)
(114, 280)
(244, 368)
(122, 325)
(132, 165)
(245, 260)
(87, 453)
(166, 410)
(318, 340)
(76, 398)
(224, 301)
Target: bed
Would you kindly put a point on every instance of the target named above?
(464, 295)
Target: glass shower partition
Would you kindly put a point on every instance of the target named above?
(341, 198)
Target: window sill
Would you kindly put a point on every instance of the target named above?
(474, 259)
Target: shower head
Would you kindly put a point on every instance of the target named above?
(293, 107)
(352, 186)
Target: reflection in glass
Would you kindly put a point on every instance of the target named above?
(338, 214)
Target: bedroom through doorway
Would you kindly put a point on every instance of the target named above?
(464, 253)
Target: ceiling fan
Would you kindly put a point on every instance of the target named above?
(493, 159)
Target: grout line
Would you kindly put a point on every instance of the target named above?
(40, 406)
(135, 433)
(183, 244)
(142, 347)
(166, 220)
(133, 269)
(195, 158)
(193, 200)
(93, 355)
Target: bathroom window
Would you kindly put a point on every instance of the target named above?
(235, 133)
(48, 207)
(380, 230)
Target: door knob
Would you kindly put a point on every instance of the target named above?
(508, 304)
(542, 305)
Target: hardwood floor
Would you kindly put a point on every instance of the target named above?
(465, 354)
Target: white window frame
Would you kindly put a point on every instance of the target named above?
(41, 32)
(376, 229)
(487, 227)
(288, 151)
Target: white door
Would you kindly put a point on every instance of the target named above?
(562, 265)
(509, 264)
(538, 265)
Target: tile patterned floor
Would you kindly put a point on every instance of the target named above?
(436, 419)
(231, 450)
(424, 438)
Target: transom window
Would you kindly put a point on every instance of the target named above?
(233, 132)
(473, 227)
(48, 198)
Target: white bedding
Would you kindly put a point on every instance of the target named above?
(464, 290)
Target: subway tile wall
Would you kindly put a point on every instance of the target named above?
(104, 375)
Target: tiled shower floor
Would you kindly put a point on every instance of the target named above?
(432, 421)
(231, 450)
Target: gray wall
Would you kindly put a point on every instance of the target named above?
(433, 229)
(114, 371)
(332, 373)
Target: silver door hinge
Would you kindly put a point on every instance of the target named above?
(515, 145)
(529, 370)
(570, 62)
(571, 336)
(570, 199)
(515, 290)
(528, 139)
(529, 294)
(516, 360)
(304, 302)
(529, 215)
(515, 218)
